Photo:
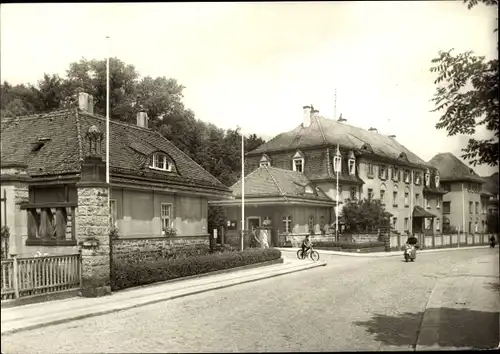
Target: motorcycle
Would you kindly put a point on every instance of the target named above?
(492, 243)
(410, 253)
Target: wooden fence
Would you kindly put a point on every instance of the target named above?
(22, 277)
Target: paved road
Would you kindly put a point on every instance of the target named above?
(352, 304)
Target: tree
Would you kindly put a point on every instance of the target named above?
(467, 94)
(492, 222)
(365, 215)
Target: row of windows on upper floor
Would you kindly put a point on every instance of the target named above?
(298, 164)
(471, 187)
(474, 208)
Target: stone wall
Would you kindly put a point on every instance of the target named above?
(92, 232)
(159, 247)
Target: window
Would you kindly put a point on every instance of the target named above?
(477, 208)
(394, 223)
(311, 223)
(438, 224)
(482, 226)
(160, 161)
(438, 202)
(427, 223)
(298, 165)
(370, 169)
(446, 187)
(382, 196)
(264, 161)
(407, 199)
(287, 224)
(395, 174)
(337, 164)
(322, 223)
(407, 176)
(476, 227)
(382, 172)
(470, 207)
(352, 167)
(417, 199)
(352, 193)
(370, 194)
(446, 207)
(340, 193)
(395, 198)
(417, 178)
(166, 217)
(407, 224)
(427, 204)
(112, 212)
(427, 178)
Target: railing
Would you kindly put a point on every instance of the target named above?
(22, 277)
(49, 224)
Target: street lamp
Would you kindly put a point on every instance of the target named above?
(337, 167)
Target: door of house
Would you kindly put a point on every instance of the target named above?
(252, 221)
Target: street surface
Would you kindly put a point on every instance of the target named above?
(351, 304)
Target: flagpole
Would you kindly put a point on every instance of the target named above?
(242, 188)
(411, 202)
(337, 165)
(463, 217)
(107, 110)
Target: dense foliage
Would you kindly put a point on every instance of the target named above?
(131, 273)
(215, 149)
(467, 95)
(365, 215)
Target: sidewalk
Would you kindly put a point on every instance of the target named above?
(463, 310)
(32, 316)
(381, 254)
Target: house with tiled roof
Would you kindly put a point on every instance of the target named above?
(371, 165)
(281, 199)
(464, 204)
(156, 190)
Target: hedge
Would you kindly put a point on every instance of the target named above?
(128, 274)
(348, 245)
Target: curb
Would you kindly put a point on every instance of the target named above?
(384, 254)
(172, 297)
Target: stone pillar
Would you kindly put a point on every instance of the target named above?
(386, 237)
(92, 233)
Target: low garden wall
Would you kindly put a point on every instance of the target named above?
(442, 240)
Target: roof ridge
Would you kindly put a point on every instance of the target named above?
(275, 182)
(36, 115)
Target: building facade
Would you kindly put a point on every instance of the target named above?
(369, 164)
(465, 203)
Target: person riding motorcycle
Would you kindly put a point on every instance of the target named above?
(492, 241)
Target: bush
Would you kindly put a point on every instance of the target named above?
(130, 273)
(348, 245)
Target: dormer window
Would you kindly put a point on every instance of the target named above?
(427, 178)
(161, 162)
(337, 164)
(417, 178)
(436, 180)
(351, 163)
(407, 176)
(298, 162)
(265, 161)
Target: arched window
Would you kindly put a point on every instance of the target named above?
(160, 161)
(407, 196)
(395, 195)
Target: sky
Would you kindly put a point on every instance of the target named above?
(255, 65)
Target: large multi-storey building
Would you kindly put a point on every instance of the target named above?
(465, 203)
(370, 165)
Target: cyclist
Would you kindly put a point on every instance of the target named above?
(306, 245)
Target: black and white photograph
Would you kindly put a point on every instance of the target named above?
(212, 177)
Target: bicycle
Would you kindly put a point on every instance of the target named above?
(311, 253)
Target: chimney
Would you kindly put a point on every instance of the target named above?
(373, 130)
(142, 119)
(341, 119)
(392, 136)
(306, 120)
(86, 102)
